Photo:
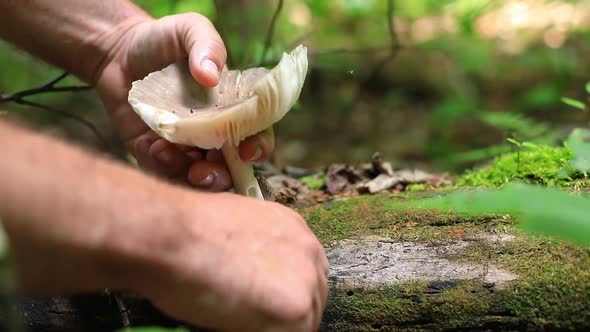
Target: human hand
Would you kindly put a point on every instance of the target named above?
(216, 260)
(254, 267)
(146, 45)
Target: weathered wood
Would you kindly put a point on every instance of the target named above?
(87, 313)
(397, 271)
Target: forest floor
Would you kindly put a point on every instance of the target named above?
(394, 266)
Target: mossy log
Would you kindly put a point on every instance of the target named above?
(395, 269)
(84, 312)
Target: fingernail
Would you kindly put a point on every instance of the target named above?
(210, 67)
(165, 157)
(257, 154)
(207, 181)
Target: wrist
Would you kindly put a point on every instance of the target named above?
(76, 36)
(109, 46)
(82, 223)
(150, 244)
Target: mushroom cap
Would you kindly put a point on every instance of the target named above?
(243, 103)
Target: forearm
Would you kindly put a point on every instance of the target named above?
(75, 35)
(75, 222)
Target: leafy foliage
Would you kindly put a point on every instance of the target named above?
(574, 103)
(315, 181)
(579, 143)
(539, 164)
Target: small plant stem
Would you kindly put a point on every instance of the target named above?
(242, 173)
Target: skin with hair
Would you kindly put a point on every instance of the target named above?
(86, 223)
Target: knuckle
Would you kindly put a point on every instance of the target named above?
(311, 244)
(197, 18)
(217, 47)
(299, 310)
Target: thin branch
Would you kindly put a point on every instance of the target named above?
(394, 45)
(271, 30)
(125, 320)
(57, 79)
(123, 311)
(42, 90)
(65, 114)
(244, 28)
(335, 51)
(49, 87)
(221, 30)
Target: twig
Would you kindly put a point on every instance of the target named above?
(49, 87)
(271, 30)
(333, 51)
(65, 114)
(394, 46)
(221, 30)
(45, 88)
(125, 319)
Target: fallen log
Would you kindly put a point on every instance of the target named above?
(394, 270)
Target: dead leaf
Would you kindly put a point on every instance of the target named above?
(279, 182)
(341, 178)
(380, 183)
(380, 166)
(400, 178)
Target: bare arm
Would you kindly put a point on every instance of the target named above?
(60, 31)
(66, 213)
(110, 44)
(80, 223)
(77, 222)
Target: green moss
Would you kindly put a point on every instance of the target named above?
(417, 187)
(439, 305)
(314, 182)
(550, 293)
(553, 292)
(554, 279)
(389, 216)
(538, 164)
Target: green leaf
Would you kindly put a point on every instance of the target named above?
(539, 210)
(579, 143)
(314, 182)
(514, 122)
(588, 87)
(573, 103)
(513, 141)
(541, 97)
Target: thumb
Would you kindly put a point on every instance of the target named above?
(171, 38)
(207, 54)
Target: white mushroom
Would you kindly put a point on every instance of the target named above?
(244, 103)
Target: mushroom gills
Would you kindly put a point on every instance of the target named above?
(242, 104)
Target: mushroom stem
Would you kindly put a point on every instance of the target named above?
(242, 173)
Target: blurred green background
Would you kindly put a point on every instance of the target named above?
(468, 75)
